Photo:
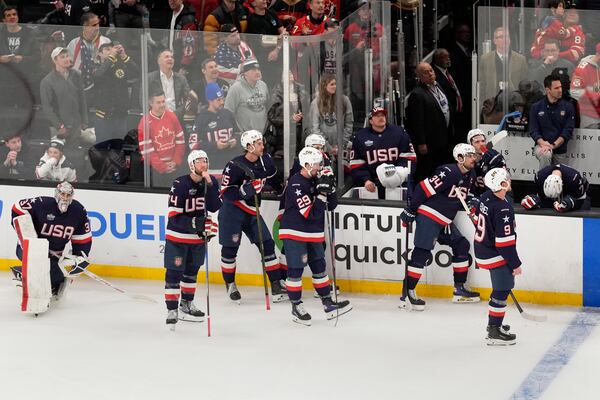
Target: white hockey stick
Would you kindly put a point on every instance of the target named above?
(497, 138)
(118, 289)
(524, 314)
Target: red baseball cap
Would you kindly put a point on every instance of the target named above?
(377, 110)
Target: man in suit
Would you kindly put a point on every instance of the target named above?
(428, 122)
(174, 85)
(441, 65)
(495, 64)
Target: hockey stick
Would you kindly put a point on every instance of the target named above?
(118, 289)
(524, 314)
(261, 248)
(331, 234)
(406, 233)
(497, 138)
(206, 261)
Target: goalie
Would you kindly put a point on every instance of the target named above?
(44, 226)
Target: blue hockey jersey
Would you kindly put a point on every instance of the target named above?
(58, 228)
(304, 214)
(212, 128)
(370, 149)
(236, 185)
(436, 198)
(186, 201)
(490, 159)
(495, 236)
(574, 184)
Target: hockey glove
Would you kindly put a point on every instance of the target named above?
(210, 228)
(72, 266)
(251, 188)
(326, 184)
(567, 204)
(198, 225)
(407, 217)
(531, 201)
(473, 205)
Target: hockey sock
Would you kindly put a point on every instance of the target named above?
(320, 280)
(271, 261)
(172, 288)
(188, 287)
(418, 260)
(460, 260)
(228, 257)
(293, 284)
(283, 265)
(497, 307)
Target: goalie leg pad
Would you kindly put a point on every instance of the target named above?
(24, 227)
(37, 289)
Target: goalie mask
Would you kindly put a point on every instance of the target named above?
(553, 186)
(494, 178)
(195, 155)
(64, 196)
(312, 157)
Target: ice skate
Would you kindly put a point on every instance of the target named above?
(17, 277)
(414, 303)
(500, 336)
(171, 319)
(300, 315)
(58, 292)
(189, 312)
(463, 294)
(278, 291)
(333, 309)
(233, 292)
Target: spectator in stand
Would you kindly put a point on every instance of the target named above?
(289, 11)
(441, 64)
(565, 81)
(551, 28)
(183, 40)
(312, 23)
(247, 98)
(16, 161)
(590, 21)
(551, 124)
(84, 51)
(172, 84)
(428, 117)
(329, 48)
(164, 144)
(585, 88)
(210, 74)
(53, 165)
(550, 60)
(229, 12)
(128, 14)
(460, 68)
(112, 92)
(231, 53)
(203, 9)
(573, 47)
(73, 9)
(323, 114)
(494, 64)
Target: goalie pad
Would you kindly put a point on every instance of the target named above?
(24, 227)
(391, 176)
(37, 289)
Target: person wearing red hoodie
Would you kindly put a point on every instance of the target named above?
(585, 88)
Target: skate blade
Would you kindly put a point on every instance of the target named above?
(408, 306)
(190, 318)
(279, 298)
(332, 314)
(463, 299)
(498, 342)
(300, 321)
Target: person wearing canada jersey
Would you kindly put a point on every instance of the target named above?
(189, 228)
(495, 245)
(215, 129)
(60, 220)
(433, 206)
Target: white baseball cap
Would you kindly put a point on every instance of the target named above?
(57, 51)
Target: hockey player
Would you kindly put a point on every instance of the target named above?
(243, 180)
(434, 205)
(310, 193)
(380, 154)
(215, 128)
(487, 159)
(560, 187)
(59, 220)
(496, 250)
(189, 228)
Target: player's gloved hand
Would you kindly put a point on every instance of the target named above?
(531, 201)
(210, 228)
(407, 217)
(251, 188)
(567, 203)
(72, 266)
(326, 184)
(473, 205)
(198, 225)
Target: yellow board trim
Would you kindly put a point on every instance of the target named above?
(352, 286)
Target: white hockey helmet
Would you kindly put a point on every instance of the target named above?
(494, 178)
(553, 186)
(64, 196)
(249, 137)
(463, 149)
(314, 139)
(310, 155)
(194, 155)
(474, 132)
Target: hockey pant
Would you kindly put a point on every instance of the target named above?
(299, 255)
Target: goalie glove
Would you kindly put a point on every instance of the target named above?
(391, 176)
(531, 201)
(567, 204)
(72, 266)
(326, 184)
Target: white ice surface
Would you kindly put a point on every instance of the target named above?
(99, 344)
